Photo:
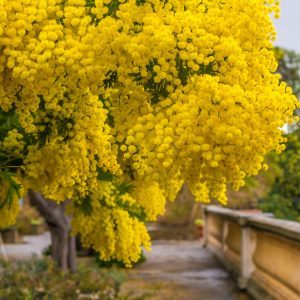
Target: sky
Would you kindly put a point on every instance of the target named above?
(288, 26)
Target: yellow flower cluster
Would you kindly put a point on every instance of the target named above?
(104, 223)
(66, 167)
(158, 92)
(13, 143)
(150, 197)
(216, 106)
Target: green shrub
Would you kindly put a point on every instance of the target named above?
(42, 280)
(283, 199)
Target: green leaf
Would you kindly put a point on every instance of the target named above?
(105, 175)
(85, 205)
(13, 188)
(134, 210)
(124, 188)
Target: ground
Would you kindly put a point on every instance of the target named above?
(174, 270)
(184, 270)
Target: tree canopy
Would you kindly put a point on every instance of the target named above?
(115, 104)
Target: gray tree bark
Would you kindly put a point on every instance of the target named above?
(63, 245)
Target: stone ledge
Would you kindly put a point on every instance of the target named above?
(262, 241)
(288, 229)
(240, 217)
(258, 220)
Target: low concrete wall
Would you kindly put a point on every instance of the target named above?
(263, 253)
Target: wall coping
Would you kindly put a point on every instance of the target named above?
(261, 221)
(288, 229)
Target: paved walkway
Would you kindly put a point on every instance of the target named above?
(184, 270)
(32, 245)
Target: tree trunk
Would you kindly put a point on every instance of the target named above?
(63, 245)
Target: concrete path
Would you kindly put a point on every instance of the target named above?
(183, 270)
(32, 245)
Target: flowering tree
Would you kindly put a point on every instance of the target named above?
(114, 104)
